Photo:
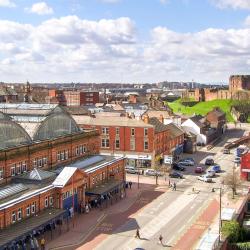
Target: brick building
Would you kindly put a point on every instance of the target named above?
(142, 141)
(73, 98)
(239, 82)
(47, 167)
(245, 167)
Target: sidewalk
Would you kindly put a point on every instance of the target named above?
(85, 224)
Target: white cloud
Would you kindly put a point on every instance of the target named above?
(235, 4)
(164, 1)
(72, 49)
(40, 8)
(7, 3)
(110, 1)
(247, 21)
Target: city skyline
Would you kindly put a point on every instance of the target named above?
(123, 40)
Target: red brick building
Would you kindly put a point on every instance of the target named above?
(245, 167)
(73, 98)
(142, 141)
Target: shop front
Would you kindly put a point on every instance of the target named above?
(138, 161)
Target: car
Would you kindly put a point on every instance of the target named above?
(176, 175)
(152, 172)
(210, 173)
(209, 161)
(216, 168)
(179, 167)
(205, 178)
(199, 170)
(237, 160)
(226, 151)
(132, 170)
(188, 159)
(186, 163)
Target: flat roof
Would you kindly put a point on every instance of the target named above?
(26, 226)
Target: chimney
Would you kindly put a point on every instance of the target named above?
(146, 118)
(161, 119)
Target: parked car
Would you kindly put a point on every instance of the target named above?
(226, 151)
(210, 173)
(237, 160)
(199, 170)
(152, 172)
(179, 167)
(205, 178)
(186, 163)
(209, 161)
(216, 168)
(188, 159)
(176, 175)
(132, 170)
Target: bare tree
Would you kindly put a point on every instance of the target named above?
(233, 181)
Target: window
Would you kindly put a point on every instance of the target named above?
(81, 149)
(33, 207)
(132, 132)
(28, 210)
(105, 131)
(117, 143)
(51, 200)
(46, 204)
(13, 217)
(62, 155)
(77, 150)
(64, 197)
(13, 170)
(1, 173)
(132, 144)
(66, 154)
(58, 156)
(117, 131)
(93, 181)
(18, 168)
(145, 132)
(145, 144)
(24, 166)
(105, 143)
(19, 214)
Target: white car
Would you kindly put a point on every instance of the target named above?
(152, 172)
(210, 173)
(132, 170)
(205, 178)
(186, 162)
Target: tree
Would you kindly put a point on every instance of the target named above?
(231, 230)
(233, 181)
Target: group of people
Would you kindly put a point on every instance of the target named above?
(32, 243)
(138, 236)
(173, 186)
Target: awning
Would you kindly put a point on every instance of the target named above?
(24, 228)
(245, 170)
(139, 157)
(104, 188)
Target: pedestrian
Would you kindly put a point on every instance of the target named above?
(137, 234)
(32, 245)
(87, 208)
(169, 183)
(130, 184)
(174, 186)
(42, 243)
(71, 211)
(142, 172)
(160, 239)
(36, 243)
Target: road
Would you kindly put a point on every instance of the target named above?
(173, 212)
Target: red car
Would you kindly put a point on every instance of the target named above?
(198, 170)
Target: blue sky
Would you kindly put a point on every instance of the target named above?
(124, 40)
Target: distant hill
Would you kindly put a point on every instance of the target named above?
(202, 108)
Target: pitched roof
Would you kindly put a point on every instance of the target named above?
(62, 179)
(198, 120)
(110, 121)
(39, 174)
(217, 112)
(175, 131)
(159, 127)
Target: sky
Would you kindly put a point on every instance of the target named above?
(124, 40)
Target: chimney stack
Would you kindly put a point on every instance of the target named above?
(161, 119)
(146, 118)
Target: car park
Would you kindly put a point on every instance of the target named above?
(216, 168)
(176, 175)
(179, 167)
(199, 170)
(210, 173)
(152, 172)
(209, 161)
(205, 178)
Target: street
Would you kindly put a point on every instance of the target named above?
(171, 213)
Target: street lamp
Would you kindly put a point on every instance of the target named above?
(220, 224)
(138, 174)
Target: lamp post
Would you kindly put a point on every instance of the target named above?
(220, 224)
(138, 174)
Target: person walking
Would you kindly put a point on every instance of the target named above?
(174, 186)
(169, 183)
(42, 243)
(137, 234)
(130, 184)
(160, 239)
(32, 244)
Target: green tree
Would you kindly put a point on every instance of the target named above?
(231, 230)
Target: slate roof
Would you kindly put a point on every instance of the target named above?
(62, 179)
(38, 174)
(159, 127)
(175, 131)
(198, 120)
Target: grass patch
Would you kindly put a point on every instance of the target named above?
(202, 108)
